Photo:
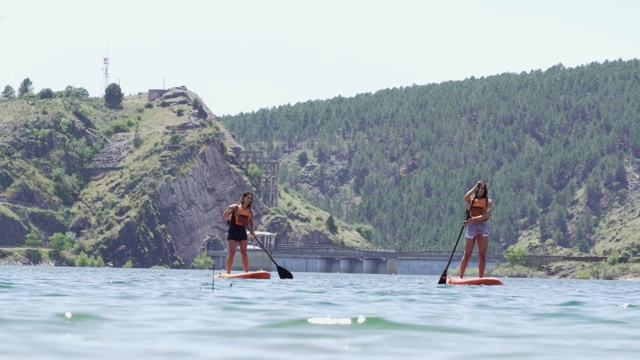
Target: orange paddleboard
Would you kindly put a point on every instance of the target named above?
(474, 281)
(260, 274)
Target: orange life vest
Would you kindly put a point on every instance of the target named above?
(478, 206)
(243, 217)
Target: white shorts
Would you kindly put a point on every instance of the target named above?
(477, 228)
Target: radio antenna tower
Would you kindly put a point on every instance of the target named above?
(105, 71)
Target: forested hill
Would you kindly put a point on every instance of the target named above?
(557, 148)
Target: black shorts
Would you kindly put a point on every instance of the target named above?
(237, 233)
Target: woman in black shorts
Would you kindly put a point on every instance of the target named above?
(240, 219)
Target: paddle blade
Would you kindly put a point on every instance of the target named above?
(443, 278)
(284, 273)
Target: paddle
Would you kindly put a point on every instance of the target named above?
(282, 272)
(443, 277)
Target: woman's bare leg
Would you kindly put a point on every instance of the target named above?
(468, 250)
(483, 245)
(232, 252)
(245, 257)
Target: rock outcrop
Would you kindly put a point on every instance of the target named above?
(191, 206)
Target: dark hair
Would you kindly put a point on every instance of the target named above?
(244, 194)
(485, 195)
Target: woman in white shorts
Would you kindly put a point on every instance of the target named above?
(477, 224)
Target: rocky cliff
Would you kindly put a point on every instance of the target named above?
(176, 191)
(191, 205)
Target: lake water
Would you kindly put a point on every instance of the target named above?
(108, 313)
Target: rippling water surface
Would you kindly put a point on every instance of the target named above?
(82, 313)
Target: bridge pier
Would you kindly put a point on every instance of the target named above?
(370, 266)
(392, 266)
(316, 265)
(346, 265)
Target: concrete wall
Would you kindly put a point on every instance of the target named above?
(258, 260)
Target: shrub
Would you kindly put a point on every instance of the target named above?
(45, 93)
(113, 96)
(26, 86)
(84, 260)
(118, 126)
(196, 103)
(515, 255)
(583, 274)
(255, 171)
(202, 261)
(613, 258)
(66, 187)
(365, 230)
(34, 255)
(80, 93)
(174, 139)
(303, 158)
(331, 225)
(137, 141)
(60, 242)
(32, 239)
(8, 92)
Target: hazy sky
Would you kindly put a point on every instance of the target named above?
(240, 56)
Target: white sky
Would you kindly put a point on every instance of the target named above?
(242, 55)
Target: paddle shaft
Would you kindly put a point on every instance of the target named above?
(265, 250)
(443, 277)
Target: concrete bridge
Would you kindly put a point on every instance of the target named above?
(333, 258)
(337, 259)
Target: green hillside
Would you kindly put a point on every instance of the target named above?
(142, 182)
(558, 148)
(139, 183)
